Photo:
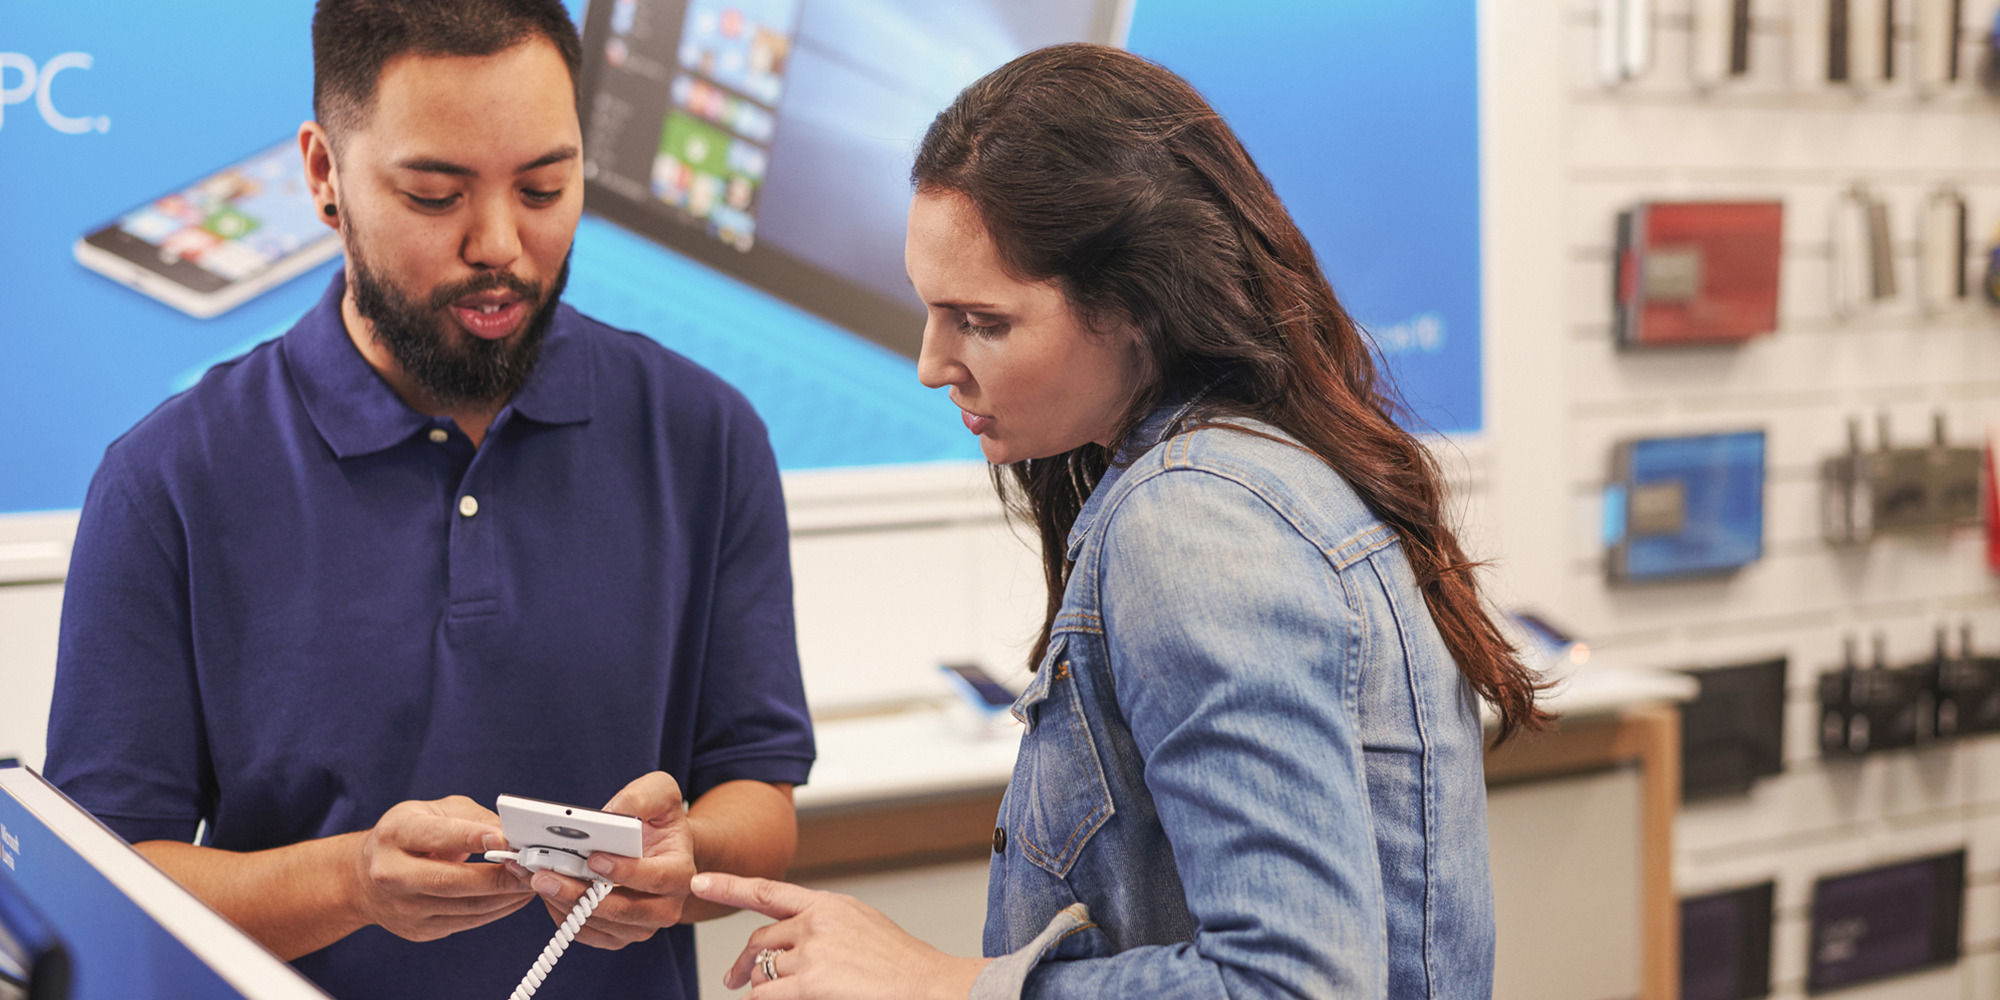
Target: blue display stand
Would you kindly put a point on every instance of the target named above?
(130, 932)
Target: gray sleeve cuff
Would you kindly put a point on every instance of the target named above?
(1004, 977)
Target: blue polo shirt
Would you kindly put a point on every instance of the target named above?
(294, 602)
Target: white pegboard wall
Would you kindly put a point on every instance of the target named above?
(1662, 136)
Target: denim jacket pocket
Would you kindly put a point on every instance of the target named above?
(1065, 799)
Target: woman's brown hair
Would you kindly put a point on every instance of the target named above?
(1112, 178)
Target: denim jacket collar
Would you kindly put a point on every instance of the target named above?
(1157, 427)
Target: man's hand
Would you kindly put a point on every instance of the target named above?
(410, 876)
(651, 889)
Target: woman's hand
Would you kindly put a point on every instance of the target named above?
(831, 947)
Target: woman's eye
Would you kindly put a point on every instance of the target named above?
(433, 204)
(542, 197)
(968, 327)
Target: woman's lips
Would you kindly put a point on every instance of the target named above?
(974, 422)
(490, 320)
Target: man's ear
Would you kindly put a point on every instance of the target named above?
(322, 177)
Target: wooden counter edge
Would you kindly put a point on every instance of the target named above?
(1648, 736)
(885, 836)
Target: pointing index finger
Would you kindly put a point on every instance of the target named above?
(777, 900)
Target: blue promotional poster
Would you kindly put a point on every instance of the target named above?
(152, 221)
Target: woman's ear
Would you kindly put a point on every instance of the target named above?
(1144, 371)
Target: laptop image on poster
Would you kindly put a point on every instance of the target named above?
(772, 139)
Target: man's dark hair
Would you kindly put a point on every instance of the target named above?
(354, 39)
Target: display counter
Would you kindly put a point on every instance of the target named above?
(912, 788)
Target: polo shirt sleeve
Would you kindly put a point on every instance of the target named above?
(752, 724)
(125, 737)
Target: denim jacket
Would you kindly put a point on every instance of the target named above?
(1251, 767)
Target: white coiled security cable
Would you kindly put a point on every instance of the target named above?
(538, 858)
(564, 934)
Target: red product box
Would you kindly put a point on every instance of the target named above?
(1698, 272)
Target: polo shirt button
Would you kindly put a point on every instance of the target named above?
(999, 840)
(467, 505)
(438, 435)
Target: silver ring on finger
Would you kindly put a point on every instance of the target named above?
(767, 963)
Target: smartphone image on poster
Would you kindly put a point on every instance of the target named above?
(214, 244)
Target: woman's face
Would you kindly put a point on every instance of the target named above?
(1033, 379)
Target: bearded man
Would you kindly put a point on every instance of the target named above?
(445, 539)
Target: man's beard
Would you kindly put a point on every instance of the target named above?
(453, 367)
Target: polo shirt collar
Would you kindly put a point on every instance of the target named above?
(357, 413)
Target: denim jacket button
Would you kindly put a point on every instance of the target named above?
(999, 840)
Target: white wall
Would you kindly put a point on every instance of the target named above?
(1658, 137)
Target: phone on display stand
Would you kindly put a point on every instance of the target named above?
(983, 703)
(211, 245)
(551, 836)
(563, 837)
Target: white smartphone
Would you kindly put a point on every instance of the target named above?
(531, 823)
(214, 244)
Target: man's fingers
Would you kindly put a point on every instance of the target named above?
(559, 889)
(772, 899)
(430, 833)
(439, 925)
(638, 913)
(620, 906)
(468, 906)
(490, 907)
(654, 797)
(460, 807)
(609, 926)
(662, 874)
(448, 879)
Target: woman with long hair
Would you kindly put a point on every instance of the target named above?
(1252, 763)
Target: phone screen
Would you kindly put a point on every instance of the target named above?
(989, 690)
(1543, 632)
(228, 227)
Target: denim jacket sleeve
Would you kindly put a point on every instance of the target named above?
(1236, 645)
